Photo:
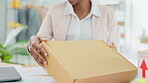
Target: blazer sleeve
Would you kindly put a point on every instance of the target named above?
(46, 29)
(112, 39)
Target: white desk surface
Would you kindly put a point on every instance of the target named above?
(31, 74)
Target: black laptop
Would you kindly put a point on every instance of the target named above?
(9, 74)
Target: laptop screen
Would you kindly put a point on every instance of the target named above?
(9, 74)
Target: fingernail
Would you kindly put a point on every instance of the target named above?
(46, 54)
(45, 63)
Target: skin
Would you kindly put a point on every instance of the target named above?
(36, 50)
(81, 8)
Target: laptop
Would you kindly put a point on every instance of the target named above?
(9, 74)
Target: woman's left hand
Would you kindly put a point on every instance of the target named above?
(113, 46)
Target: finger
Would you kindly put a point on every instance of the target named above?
(39, 56)
(40, 49)
(37, 60)
(114, 47)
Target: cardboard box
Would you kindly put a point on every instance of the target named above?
(143, 64)
(90, 61)
(144, 40)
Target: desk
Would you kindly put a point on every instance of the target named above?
(7, 64)
(31, 74)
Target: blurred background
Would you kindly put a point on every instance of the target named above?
(19, 19)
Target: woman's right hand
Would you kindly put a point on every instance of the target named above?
(36, 50)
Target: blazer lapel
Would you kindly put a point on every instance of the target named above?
(62, 28)
(97, 28)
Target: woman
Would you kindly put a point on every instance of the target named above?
(74, 20)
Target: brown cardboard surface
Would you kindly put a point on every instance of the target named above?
(144, 40)
(90, 61)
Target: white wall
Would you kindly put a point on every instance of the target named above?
(128, 25)
(140, 21)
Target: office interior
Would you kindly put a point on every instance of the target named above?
(19, 19)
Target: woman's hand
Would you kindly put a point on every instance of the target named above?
(113, 46)
(36, 50)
